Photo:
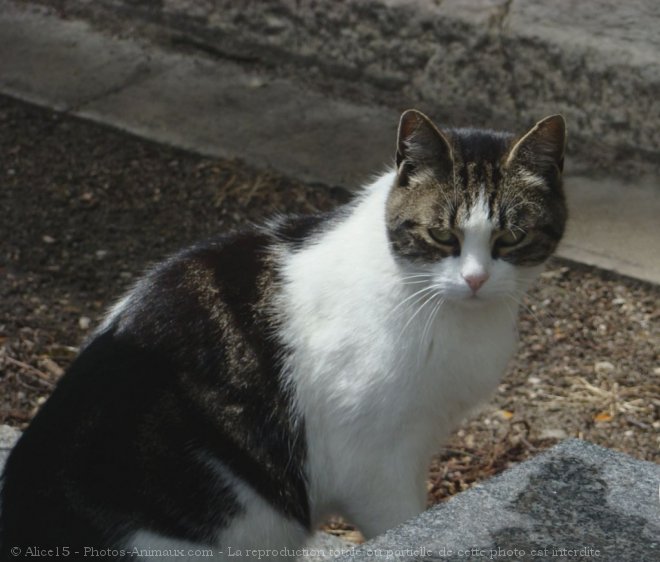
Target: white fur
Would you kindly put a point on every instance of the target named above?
(147, 545)
(382, 373)
(259, 532)
(260, 527)
(120, 307)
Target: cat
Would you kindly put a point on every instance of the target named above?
(254, 384)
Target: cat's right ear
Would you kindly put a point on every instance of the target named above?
(541, 149)
(420, 145)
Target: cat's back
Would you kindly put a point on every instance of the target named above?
(183, 378)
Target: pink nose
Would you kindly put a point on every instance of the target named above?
(476, 281)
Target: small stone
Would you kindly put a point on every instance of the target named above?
(52, 367)
(256, 82)
(602, 367)
(84, 322)
(533, 380)
(100, 254)
(48, 239)
(553, 433)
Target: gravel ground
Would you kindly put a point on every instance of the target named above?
(85, 209)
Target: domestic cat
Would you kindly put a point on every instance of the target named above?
(254, 384)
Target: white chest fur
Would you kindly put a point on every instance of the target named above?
(378, 384)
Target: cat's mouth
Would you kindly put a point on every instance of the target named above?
(474, 300)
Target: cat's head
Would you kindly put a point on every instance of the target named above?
(476, 211)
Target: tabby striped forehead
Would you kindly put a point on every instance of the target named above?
(478, 157)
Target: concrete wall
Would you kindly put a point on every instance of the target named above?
(496, 63)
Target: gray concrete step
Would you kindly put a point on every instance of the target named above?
(219, 108)
(576, 501)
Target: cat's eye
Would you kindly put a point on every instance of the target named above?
(510, 238)
(443, 236)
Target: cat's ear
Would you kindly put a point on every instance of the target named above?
(420, 145)
(541, 149)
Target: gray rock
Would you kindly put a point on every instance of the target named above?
(324, 546)
(576, 501)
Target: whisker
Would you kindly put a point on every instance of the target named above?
(513, 312)
(416, 276)
(428, 299)
(546, 312)
(528, 309)
(429, 322)
(423, 299)
(400, 304)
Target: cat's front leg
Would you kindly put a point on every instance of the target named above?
(385, 504)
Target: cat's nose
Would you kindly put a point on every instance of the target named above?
(475, 281)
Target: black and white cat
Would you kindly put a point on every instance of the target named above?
(254, 384)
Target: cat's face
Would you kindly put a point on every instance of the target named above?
(474, 213)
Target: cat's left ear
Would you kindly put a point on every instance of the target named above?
(541, 149)
(421, 146)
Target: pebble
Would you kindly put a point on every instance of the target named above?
(52, 367)
(553, 433)
(48, 239)
(603, 367)
(84, 322)
(256, 82)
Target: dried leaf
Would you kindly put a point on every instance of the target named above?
(603, 417)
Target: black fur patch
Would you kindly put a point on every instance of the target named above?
(189, 375)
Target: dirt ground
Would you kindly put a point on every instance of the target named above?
(85, 209)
